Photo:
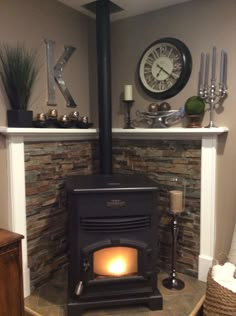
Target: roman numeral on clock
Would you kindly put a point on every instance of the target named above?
(147, 68)
(156, 53)
(150, 60)
(149, 77)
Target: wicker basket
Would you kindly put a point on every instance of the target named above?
(219, 300)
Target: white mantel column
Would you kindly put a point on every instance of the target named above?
(16, 213)
(207, 210)
(17, 196)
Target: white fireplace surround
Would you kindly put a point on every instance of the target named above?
(16, 213)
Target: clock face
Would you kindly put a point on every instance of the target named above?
(165, 67)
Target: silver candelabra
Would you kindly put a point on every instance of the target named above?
(212, 97)
(209, 93)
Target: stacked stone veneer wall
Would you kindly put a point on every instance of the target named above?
(174, 165)
(47, 166)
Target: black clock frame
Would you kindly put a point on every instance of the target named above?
(185, 73)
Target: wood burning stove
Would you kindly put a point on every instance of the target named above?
(113, 222)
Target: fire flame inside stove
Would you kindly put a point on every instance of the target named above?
(115, 261)
(117, 266)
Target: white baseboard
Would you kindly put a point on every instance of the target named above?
(204, 264)
(26, 280)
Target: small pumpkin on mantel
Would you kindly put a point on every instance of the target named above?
(18, 72)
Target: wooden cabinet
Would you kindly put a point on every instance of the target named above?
(11, 283)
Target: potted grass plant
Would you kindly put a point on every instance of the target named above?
(18, 73)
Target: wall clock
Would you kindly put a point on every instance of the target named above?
(164, 68)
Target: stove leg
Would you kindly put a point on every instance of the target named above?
(155, 303)
(74, 310)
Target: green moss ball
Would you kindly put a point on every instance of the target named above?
(194, 106)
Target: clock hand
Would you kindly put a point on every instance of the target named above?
(161, 68)
(157, 75)
(165, 71)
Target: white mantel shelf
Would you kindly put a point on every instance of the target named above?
(168, 133)
(16, 214)
(50, 134)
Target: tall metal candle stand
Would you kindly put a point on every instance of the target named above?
(128, 104)
(172, 282)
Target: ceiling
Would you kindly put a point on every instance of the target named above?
(129, 7)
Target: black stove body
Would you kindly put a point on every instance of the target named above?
(112, 216)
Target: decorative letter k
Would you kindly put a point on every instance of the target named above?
(55, 73)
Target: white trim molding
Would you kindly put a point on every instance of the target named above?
(16, 137)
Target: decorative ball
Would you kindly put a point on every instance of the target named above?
(64, 121)
(74, 115)
(153, 107)
(194, 106)
(164, 106)
(52, 114)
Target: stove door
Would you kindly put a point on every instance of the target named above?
(111, 267)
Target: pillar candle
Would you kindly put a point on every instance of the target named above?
(128, 92)
(201, 71)
(222, 56)
(225, 70)
(213, 65)
(176, 201)
(206, 70)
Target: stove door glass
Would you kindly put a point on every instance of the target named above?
(115, 262)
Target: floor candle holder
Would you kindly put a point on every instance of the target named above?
(128, 104)
(172, 282)
(176, 207)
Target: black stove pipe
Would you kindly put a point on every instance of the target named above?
(104, 84)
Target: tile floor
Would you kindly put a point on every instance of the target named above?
(50, 299)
